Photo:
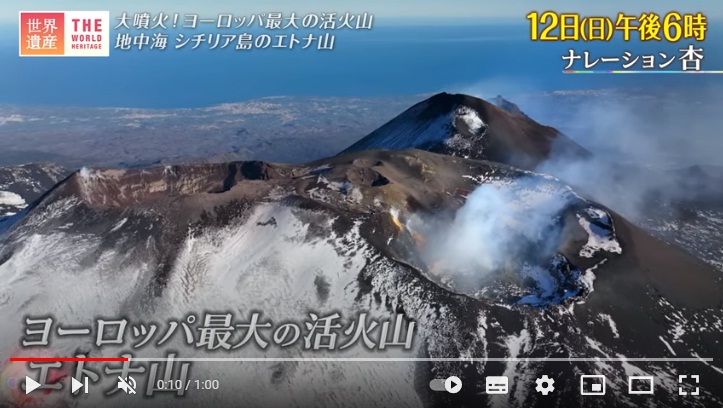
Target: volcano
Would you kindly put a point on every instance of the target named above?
(469, 127)
(435, 216)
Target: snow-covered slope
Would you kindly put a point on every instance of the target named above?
(21, 185)
(528, 269)
(469, 127)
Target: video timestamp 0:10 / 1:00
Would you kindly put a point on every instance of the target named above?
(172, 385)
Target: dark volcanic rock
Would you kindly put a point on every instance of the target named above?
(357, 232)
(465, 126)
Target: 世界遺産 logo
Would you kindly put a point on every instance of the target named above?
(64, 33)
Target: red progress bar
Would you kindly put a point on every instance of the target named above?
(66, 359)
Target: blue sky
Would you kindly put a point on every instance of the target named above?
(387, 9)
(416, 46)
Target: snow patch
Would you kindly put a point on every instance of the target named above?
(478, 179)
(119, 224)
(12, 199)
(720, 371)
(516, 346)
(588, 278)
(599, 239)
(238, 269)
(611, 323)
(471, 119)
(321, 169)
(667, 345)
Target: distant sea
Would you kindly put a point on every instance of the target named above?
(397, 60)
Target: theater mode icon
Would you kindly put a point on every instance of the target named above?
(641, 385)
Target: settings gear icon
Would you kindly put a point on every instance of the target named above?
(545, 385)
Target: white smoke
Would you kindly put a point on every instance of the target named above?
(642, 140)
(500, 226)
(641, 147)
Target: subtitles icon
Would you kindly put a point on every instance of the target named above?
(641, 385)
(592, 385)
(497, 385)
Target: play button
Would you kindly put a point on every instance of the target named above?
(30, 385)
(453, 385)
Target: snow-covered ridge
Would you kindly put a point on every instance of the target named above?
(441, 121)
